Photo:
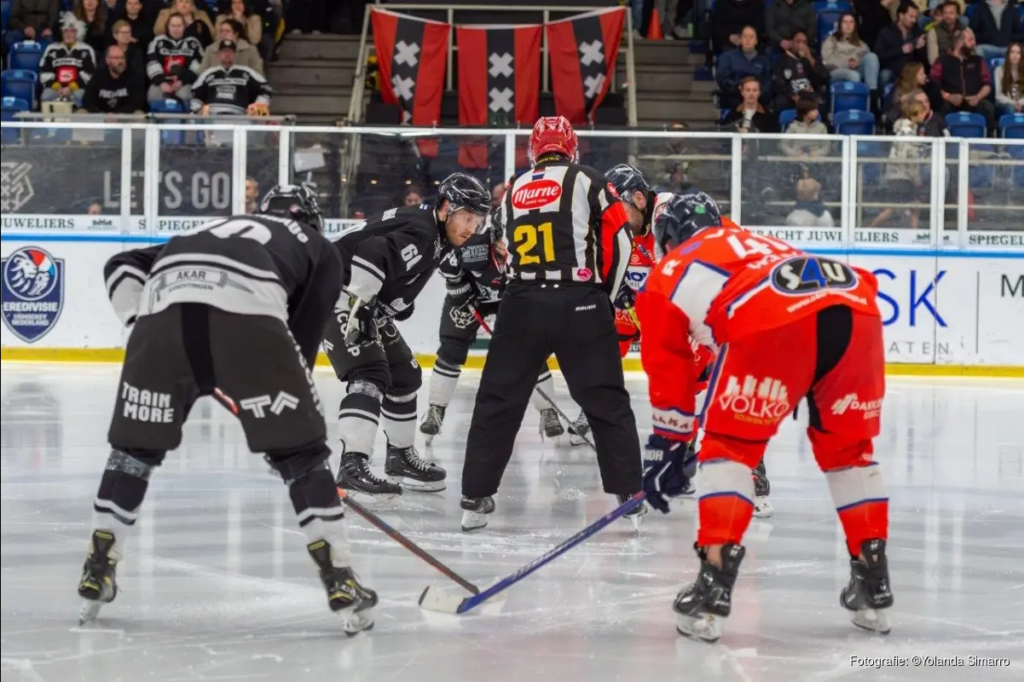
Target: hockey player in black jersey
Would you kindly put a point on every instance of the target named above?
(235, 310)
(385, 266)
(474, 277)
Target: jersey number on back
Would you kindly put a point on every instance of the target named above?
(242, 228)
(756, 245)
(526, 238)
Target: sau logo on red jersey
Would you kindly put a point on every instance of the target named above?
(807, 274)
(536, 194)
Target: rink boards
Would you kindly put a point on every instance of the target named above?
(946, 311)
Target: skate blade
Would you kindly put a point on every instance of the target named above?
(359, 495)
(706, 628)
(763, 508)
(413, 486)
(90, 610)
(472, 521)
(872, 621)
(575, 440)
(354, 622)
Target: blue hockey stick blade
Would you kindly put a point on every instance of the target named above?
(436, 600)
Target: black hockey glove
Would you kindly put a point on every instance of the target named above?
(462, 294)
(669, 469)
(406, 314)
(360, 325)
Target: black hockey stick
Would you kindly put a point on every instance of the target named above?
(540, 391)
(405, 542)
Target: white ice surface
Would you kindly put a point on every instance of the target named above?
(217, 584)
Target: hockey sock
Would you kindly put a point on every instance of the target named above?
(122, 490)
(359, 415)
(443, 380)
(546, 384)
(321, 517)
(725, 491)
(399, 414)
(861, 502)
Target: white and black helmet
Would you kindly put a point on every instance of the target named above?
(296, 202)
(463, 191)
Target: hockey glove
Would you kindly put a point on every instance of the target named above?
(461, 294)
(361, 326)
(669, 468)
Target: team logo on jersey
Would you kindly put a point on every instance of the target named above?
(32, 292)
(462, 317)
(761, 403)
(536, 194)
(584, 275)
(809, 274)
(851, 402)
(635, 277)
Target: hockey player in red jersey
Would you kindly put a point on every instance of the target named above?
(787, 325)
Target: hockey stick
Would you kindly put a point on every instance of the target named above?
(436, 600)
(540, 391)
(405, 542)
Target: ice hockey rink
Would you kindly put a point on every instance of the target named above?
(217, 585)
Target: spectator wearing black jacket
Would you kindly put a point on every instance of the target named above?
(728, 18)
(140, 17)
(784, 18)
(93, 13)
(750, 116)
(996, 24)
(30, 20)
(872, 17)
(900, 43)
(134, 53)
(736, 65)
(798, 74)
(964, 79)
(116, 89)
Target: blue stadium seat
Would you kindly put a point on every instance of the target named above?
(971, 9)
(833, 5)
(849, 96)
(19, 84)
(965, 124)
(5, 14)
(828, 22)
(855, 123)
(1012, 126)
(786, 117)
(25, 56)
(169, 106)
(993, 63)
(9, 107)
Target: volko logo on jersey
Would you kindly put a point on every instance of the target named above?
(759, 402)
(32, 292)
(536, 194)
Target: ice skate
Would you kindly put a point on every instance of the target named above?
(868, 594)
(432, 422)
(98, 585)
(701, 606)
(579, 430)
(550, 424)
(475, 511)
(346, 597)
(762, 505)
(404, 468)
(355, 476)
(635, 514)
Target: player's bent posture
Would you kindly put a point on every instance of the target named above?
(474, 279)
(569, 249)
(234, 310)
(787, 325)
(386, 264)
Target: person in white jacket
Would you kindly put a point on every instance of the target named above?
(809, 211)
(1009, 80)
(848, 58)
(903, 175)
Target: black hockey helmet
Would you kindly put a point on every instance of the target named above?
(626, 180)
(463, 191)
(297, 202)
(683, 217)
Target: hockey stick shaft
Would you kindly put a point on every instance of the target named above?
(582, 536)
(540, 391)
(386, 528)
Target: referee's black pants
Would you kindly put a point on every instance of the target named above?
(576, 323)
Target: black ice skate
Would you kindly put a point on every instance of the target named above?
(868, 593)
(475, 511)
(635, 514)
(579, 431)
(345, 595)
(762, 505)
(404, 467)
(355, 476)
(550, 424)
(432, 421)
(701, 606)
(98, 585)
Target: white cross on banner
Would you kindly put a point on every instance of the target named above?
(593, 85)
(403, 87)
(501, 65)
(406, 53)
(501, 100)
(591, 53)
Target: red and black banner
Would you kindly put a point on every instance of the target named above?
(499, 81)
(583, 51)
(413, 55)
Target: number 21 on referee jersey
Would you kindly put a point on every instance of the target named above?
(526, 238)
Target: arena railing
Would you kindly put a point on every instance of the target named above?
(70, 176)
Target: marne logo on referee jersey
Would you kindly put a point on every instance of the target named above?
(536, 194)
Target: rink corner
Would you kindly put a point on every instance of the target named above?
(477, 362)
